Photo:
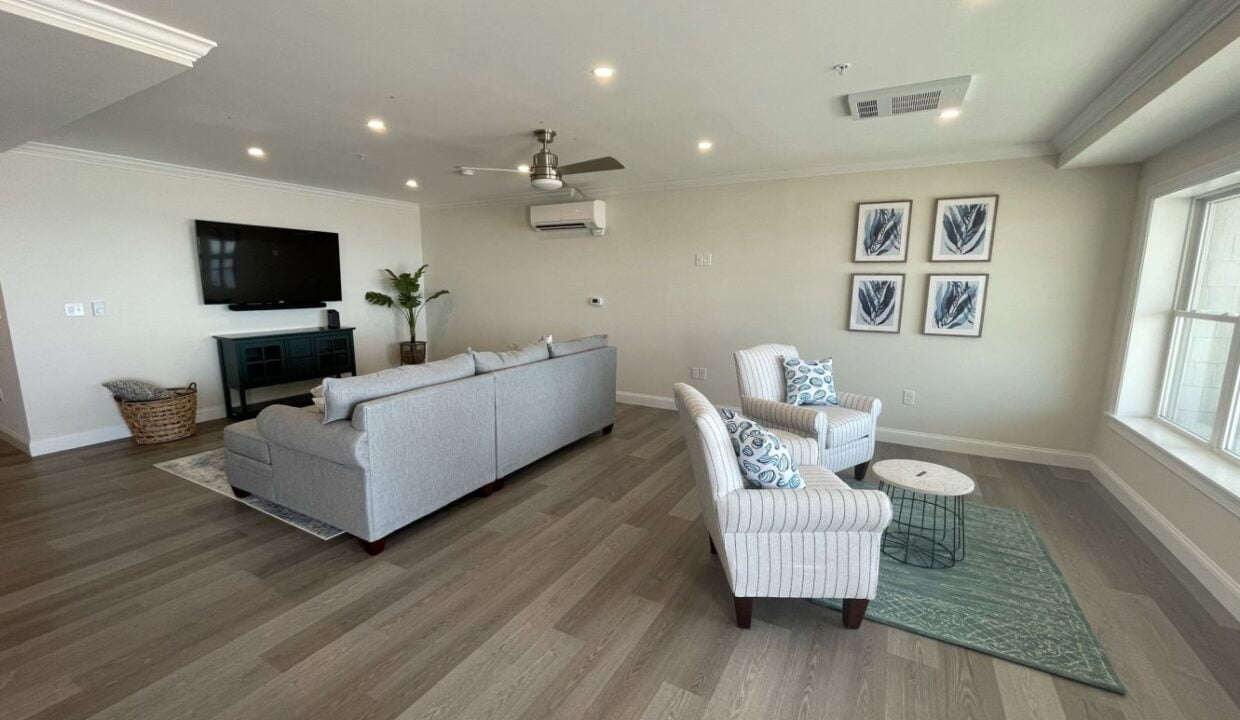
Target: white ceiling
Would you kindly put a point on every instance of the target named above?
(52, 76)
(463, 83)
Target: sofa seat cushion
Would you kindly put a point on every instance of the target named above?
(342, 395)
(844, 425)
(485, 362)
(244, 438)
(817, 477)
(572, 347)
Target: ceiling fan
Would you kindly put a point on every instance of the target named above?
(545, 171)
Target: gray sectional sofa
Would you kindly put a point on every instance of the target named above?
(410, 440)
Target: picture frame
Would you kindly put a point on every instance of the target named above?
(964, 229)
(882, 231)
(876, 302)
(956, 304)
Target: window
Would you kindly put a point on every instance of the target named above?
(1200, 388)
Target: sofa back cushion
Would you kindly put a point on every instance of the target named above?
(485, 362)
(572, 347)
(342, 395)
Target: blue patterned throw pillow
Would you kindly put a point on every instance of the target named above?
(765, 462)
(809, 383)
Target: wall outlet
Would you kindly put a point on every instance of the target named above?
(98, 308)
(75, 309)
(596, 301)
(697, 373)
(702, 259)
(910, 397)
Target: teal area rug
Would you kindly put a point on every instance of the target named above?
(1007, 598)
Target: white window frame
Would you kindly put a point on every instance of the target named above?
(1225, 419)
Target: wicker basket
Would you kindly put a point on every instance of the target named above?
(160, 421)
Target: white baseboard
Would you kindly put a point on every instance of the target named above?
(655, 401)
(987, 448)
(1221, 585)
(60, 443)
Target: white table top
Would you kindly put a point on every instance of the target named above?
(924, 477)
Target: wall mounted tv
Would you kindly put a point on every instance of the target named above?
(249, 267)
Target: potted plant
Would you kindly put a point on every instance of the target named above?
(409, 302)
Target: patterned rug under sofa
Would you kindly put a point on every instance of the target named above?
(1007, 598)
(207, 469)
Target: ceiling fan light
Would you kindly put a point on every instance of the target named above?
(547, 183)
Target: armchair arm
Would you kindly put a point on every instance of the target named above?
(864, 403)
(784, 416)
(303, 431)
(808, 510)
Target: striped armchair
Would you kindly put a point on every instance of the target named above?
(845, 432)
(821, 541)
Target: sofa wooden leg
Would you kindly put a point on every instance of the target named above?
(607, 430)
(373, 547)
(860, 470)
(486, 490)
(854, 612)
(744, 612)
(239, 492)
(499, 484)
(713, 551)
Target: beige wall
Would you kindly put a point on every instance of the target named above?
(1205, 534)
(12, 413)
(781, 272)
(80, 232)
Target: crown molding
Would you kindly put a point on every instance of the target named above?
(1010, 152)
(1187, 30)
(113, 25)
(91, 157)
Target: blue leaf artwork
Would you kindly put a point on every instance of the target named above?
(876, 302)
(965, 228)
(954, 304)
(882, 231)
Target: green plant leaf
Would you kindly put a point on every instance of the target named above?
(378, 298)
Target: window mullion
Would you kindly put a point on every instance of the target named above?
(1227, 397)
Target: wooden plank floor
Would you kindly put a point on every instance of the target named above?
(584, 589)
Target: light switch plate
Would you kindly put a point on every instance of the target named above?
(98, 308)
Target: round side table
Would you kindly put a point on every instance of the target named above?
(927, 503)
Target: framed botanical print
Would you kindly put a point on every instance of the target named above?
(877, 303)
(964, 229)
(882, 231)
(956, 305)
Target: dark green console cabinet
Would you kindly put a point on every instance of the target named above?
(258, 359)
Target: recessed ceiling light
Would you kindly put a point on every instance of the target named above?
(411, 183)
(950, 113)
(705, 145)
(256, 152)
(603, 71)
(376, 124)
(523, 168)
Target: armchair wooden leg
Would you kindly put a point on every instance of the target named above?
(713, 551)
(607, 430)
(854, 612)
(744, 612)
(860, 470)
(239, 492)
(373, 547)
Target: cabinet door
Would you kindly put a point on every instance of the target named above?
(333, 354)
(263, 363)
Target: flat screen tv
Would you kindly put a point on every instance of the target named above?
(250, 267)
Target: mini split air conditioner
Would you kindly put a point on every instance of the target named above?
(586, 215)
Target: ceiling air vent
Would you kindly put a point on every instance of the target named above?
(933, 95)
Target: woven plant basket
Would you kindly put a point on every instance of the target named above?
(160, 421)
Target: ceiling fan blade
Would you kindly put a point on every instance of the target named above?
(482, 169)
(589, 166)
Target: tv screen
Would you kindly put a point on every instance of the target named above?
(254, 265)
